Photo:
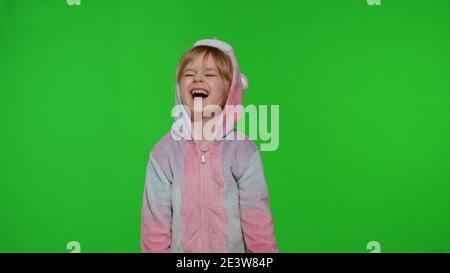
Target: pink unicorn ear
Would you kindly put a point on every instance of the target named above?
(244, 81)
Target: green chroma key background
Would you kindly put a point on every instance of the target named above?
(364, 97)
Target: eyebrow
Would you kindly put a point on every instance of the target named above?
(193, 70)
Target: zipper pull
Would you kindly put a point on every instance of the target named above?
(203, 158)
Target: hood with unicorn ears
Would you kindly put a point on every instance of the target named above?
(230, 115)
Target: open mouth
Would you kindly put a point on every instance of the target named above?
(199, 93)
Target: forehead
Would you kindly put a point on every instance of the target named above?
(202, 62)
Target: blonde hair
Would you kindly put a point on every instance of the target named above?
(221, 60)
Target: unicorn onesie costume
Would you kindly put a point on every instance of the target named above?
(207, 196)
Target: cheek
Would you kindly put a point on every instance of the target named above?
(184, 88)
(185, 96)
(219, 89)
(183, 85)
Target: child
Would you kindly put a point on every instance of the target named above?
(203, 194)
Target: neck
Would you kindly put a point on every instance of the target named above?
(197, 132)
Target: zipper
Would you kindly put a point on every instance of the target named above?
(203, 157)
(203, 218)
(202, 189)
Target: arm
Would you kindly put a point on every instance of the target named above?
(256, 217)
(156, 210)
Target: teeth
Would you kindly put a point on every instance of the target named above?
(199, 91)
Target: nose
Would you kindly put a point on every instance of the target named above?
(198, 77)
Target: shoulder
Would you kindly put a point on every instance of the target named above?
(239, 153)
(165, 147)
(165, 151)
(242, 146)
